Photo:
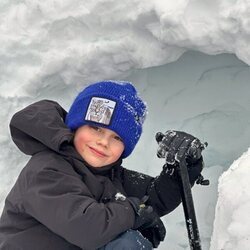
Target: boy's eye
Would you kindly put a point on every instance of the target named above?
(95, 128)
(118, 138)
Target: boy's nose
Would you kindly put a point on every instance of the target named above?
(103, 140)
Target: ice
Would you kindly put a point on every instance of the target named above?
(190, 61)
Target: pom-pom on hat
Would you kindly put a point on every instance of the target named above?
(110, 104)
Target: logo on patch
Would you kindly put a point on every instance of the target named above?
(100, 110)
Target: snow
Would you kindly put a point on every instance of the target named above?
(120, 196)
(190, 61)
(207, 96)
(232, 224)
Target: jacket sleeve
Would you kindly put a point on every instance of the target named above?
(163, 190)
(63, 203)
(41, 118)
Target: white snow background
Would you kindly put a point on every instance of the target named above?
(52, 49)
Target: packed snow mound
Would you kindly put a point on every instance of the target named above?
(232, 222)
(76, 42)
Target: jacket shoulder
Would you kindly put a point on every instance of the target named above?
(49, 160)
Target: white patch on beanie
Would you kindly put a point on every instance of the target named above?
(100, 110)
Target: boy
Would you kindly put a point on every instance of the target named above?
(74, 193)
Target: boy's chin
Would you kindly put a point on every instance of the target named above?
(95, 162)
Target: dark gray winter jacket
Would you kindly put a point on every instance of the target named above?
(59, 202)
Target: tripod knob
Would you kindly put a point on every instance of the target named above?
(200, 180)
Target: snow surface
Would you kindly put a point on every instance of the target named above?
(52, 49)
(232, 225)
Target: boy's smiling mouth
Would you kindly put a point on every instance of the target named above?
(97, 152)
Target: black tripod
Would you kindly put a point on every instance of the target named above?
(188, 205)
(185, 187)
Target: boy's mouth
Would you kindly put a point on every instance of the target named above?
(97, 152)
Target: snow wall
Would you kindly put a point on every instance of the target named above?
(52, 49)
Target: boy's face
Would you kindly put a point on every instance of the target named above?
(98, 146)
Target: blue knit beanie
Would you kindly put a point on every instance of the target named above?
(110, 104)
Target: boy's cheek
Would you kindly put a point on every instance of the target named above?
(77, 142)
(78, 146)
(80, 142)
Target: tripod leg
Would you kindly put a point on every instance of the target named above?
(188, 207)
